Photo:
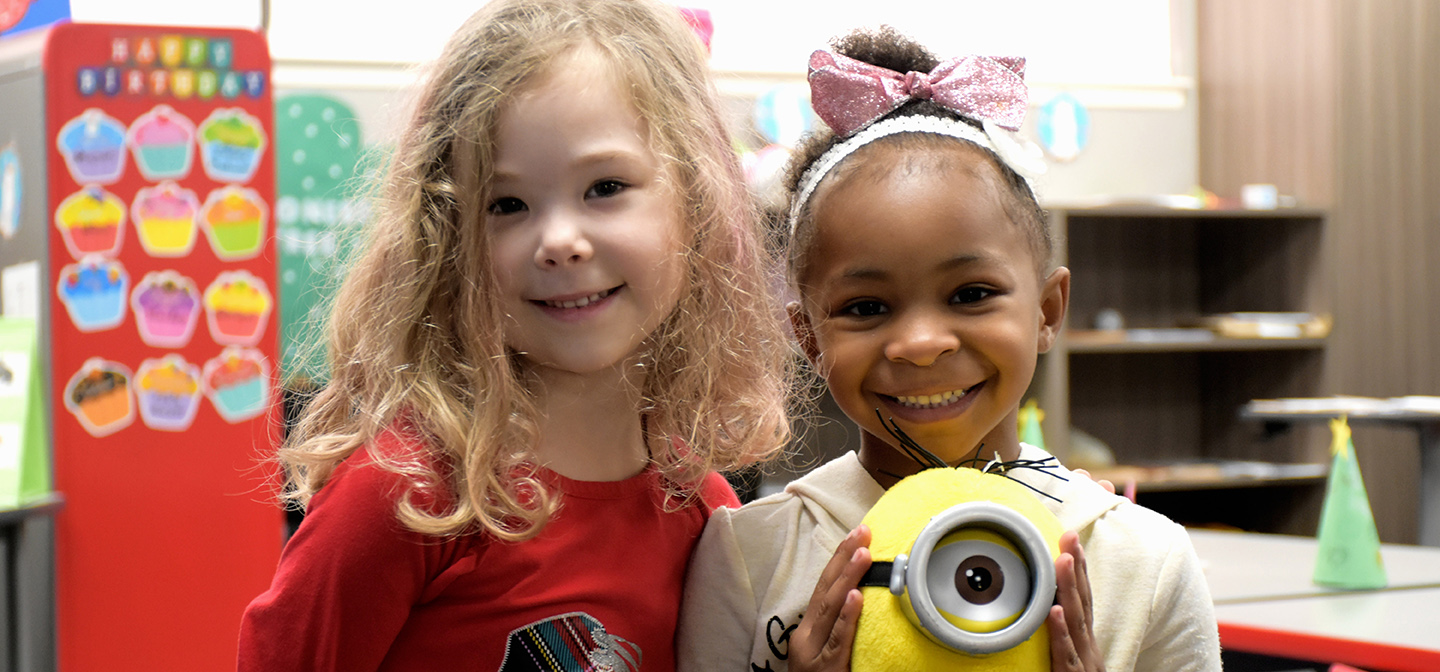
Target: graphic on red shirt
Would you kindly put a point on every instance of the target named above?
(573, 642)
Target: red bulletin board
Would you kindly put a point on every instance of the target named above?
(163, 322)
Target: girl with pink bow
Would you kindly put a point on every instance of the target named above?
(922, 262)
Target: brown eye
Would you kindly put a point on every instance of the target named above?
(506, 206)
(979, 580)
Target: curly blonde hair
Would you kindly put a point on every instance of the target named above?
(415, 333)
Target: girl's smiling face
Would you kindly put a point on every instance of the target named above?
(922, 298)
(586, 231)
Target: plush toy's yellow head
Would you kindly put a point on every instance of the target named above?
(972, 580)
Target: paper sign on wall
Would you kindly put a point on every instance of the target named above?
(24, 457)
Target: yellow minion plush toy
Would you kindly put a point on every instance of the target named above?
(963, 576)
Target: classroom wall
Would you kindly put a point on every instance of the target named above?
(1334, 101)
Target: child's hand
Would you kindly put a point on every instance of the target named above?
(1072, 623)
(822, 641)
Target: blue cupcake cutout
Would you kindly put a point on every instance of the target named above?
(94, 292)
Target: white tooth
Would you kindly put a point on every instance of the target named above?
(568, 304)
(582, 302)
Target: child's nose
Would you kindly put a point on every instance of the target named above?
(562, 242)
(921, 340)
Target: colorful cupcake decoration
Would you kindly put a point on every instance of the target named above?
(237, 308)
(91, 221)
(231, 145)
(100, 397)
(168, 390)
(167, 308)
(234, 219)
(93, 292)
(164, 216)
(238, 383)
(163, 144)
(93, 146)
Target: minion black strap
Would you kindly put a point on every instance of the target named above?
(878, 575)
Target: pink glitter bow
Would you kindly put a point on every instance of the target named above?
(849, 94)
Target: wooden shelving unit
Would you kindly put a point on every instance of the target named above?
(1164, 396)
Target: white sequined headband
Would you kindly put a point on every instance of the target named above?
(1018, 154)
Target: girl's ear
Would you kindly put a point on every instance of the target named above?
(804, 333)
(1054, 300)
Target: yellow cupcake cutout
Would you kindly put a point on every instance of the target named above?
(237, 308)
(164, 216)
(91, 221)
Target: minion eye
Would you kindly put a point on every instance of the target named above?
(978, 580)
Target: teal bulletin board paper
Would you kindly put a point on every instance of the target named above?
(318, 209)
(24, 455)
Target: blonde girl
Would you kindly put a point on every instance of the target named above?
(559, 330)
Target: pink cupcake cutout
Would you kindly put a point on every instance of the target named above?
(168, 390)
(91, 221)
(237, 308)
(164, 216)
(163, 144)
(238, 383)
(93, 147)
(167, 308)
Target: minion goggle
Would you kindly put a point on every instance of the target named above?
(978, 579)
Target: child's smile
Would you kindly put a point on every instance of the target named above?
(926, 301)
(584, 226)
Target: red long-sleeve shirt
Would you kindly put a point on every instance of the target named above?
(599, 586)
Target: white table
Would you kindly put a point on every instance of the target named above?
(1245, 567)
(1265, 603)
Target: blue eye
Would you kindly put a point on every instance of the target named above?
(605, 189)
(865, 309)
(971, 294)
(506, 206)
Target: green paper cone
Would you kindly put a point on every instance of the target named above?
(1030, 417)
(1349, 553)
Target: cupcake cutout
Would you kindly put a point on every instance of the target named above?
(93, 146)
(231, 145)
(167, 308)
(168, 390)
(164, 217)
(100, 397)
(93, 292)
(91, 221)
(234, 219)
(238, 383)
(163, 144)
(237, 308)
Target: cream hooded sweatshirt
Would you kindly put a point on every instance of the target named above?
(755, 568)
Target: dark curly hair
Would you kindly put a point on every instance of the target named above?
(887, 48)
